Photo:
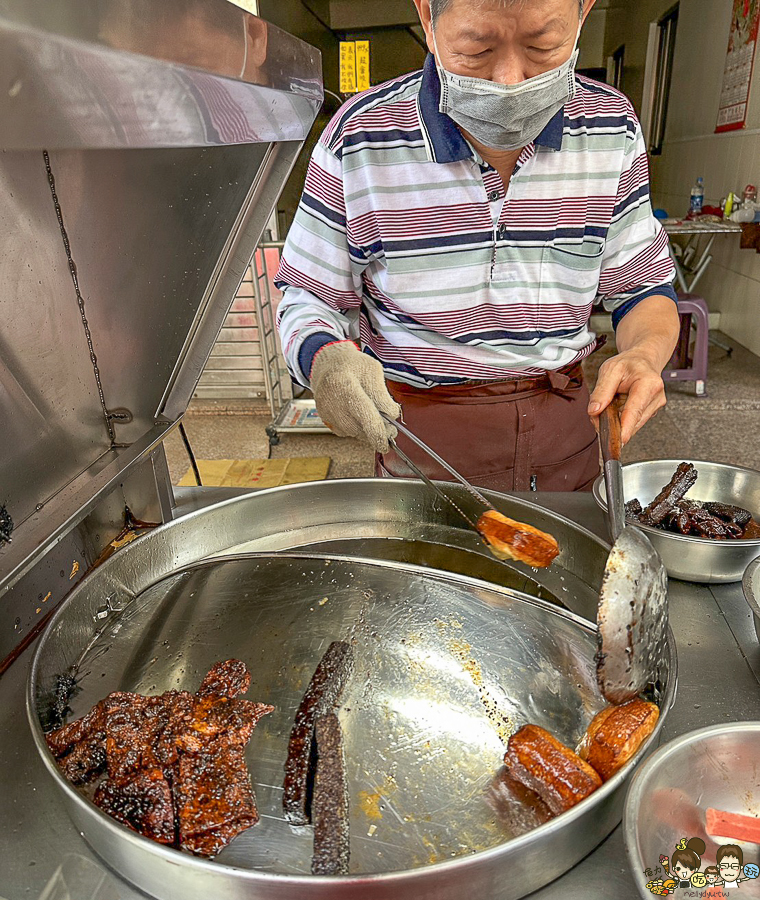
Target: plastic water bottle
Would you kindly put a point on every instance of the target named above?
(697, 198)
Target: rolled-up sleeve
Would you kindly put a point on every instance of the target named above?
(320, 274)
(636, 262)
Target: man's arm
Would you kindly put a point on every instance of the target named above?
(321, 269)
(646, 337)
(635, 287)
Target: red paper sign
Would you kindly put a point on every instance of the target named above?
(740, 59)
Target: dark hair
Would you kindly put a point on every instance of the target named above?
(689, 857)
(439, 6)
(711, 870)
(729, 850)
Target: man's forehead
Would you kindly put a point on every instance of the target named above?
(536, 15)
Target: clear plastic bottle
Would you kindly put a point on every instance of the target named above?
(697, 198)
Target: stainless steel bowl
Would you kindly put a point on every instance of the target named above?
(751, 586)
(445, 666)
(670, 792)
(692, 558)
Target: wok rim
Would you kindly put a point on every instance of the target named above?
(176, 857)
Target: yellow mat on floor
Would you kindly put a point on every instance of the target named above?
(259, 473)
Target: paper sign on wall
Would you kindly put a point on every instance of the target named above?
(737, 75)
(362, 65)
(348, 67)
(354, 66)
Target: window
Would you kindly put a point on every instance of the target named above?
(658, 75)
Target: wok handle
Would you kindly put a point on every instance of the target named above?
(610, 438)
(610, 432)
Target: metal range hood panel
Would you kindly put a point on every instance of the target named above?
(165, 168)
(137, 73)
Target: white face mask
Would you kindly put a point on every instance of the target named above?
(506, 116)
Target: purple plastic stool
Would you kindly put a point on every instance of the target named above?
(685, 368)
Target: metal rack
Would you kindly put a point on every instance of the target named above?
(297, 415)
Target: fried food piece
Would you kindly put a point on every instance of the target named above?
(214, 798)
(329, 805)
(537, 760)
(751, 531)
(89, 727)
(85, 762)
(633, 509)
(735, 515)
(143, 804)
(133, 729)
(209, 718)
(615, 735)
(508, 539)
(230, 678)
(175, 758)
(321, 697)
(683, 479)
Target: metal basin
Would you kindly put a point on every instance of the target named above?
(446, 667)
(751, 587)
(669, 794)
(692, 558)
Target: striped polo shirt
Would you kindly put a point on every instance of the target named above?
(406, 241)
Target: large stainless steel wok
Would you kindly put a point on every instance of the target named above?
(423, 742)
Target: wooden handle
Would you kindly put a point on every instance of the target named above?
(610, 433)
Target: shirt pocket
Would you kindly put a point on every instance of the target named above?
(570, 280)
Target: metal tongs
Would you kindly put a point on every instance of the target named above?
(473, 491)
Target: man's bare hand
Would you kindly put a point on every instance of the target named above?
(634, 374)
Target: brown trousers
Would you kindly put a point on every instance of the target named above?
(523, 435)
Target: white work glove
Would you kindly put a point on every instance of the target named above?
(349, 389)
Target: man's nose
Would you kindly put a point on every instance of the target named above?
(509, 70)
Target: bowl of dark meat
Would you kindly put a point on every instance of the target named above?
(701, 517)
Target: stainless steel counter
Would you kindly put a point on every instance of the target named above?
(719, 681)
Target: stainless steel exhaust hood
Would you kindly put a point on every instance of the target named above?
(143, 148)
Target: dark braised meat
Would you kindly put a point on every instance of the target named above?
(684, 478)
(230, 678)
(214, 798)
(329, 805)
(174, 765)
(321, 697)
(143, 804)
(670, 511)
(735, 515)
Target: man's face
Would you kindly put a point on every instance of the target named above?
(502, 41)
(729, 868)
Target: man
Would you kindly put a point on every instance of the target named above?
(458, 224)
